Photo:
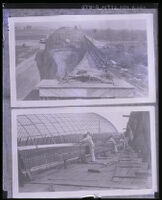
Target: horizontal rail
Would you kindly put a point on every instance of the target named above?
(21, 148)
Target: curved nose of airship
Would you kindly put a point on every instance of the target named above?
(63, 51)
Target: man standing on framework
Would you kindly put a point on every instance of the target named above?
(89, 142)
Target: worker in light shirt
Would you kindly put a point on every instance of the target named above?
(89, 142)
(114, 143)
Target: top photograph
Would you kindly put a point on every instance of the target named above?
(68, 60)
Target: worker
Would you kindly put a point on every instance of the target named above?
(114, 143)
(127, 137)
(130, 132)
(89, 142)
(123, 142)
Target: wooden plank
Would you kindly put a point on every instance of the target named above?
(129, 166)
(129, 162)
(72, 179)
(90, 185)
(131, 159)
(70, 184)
(127, 177)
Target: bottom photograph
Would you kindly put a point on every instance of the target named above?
(83, 149)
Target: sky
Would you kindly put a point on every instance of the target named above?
(104, 24)
(117, 119)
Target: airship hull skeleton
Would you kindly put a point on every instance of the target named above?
(89, 58)
(77, 63)
(69, 53)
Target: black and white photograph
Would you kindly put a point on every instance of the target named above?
(80, 101)
(82, 59)
(83, 151)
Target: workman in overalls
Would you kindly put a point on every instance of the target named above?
(89, 142)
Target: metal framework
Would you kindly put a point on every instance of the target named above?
(57, 127)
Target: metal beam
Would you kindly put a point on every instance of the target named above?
(21, 148)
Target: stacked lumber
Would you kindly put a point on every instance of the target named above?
(130, 169)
